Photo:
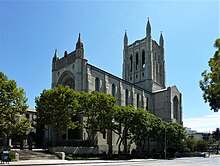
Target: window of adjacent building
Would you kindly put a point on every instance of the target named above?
(97, 84)
(175, 107)
(143, 59)
(126, 97)
(131, 61)
(136, 61)
(137, 100)
(113, 89)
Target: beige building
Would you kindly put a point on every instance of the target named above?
(143, 84)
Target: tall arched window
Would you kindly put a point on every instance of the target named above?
(137, 100)
(126, 97)
(136, 61)
(131, 60)
(147, 103)
(97, 84)
(175, 107)
(113, 89)
(143, 59)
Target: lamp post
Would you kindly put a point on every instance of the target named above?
(69, 109)
(165, 142)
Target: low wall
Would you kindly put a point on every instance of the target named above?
(74, 150)
(101, 149)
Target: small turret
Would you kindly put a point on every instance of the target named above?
(79, 43)
(55, 57)
(65, 53)
(148, 30)
(161, 40)
(125, 39)
(79, 48)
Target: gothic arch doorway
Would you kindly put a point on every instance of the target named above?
(67, 79)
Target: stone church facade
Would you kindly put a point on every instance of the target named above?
(143, 84)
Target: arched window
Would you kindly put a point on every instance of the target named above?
(97, 82)
(104, 135)
(69, 82)
(175, 107)
(147, 103)
(143, 59)
(126, 97)
(131, 60)
(136, 61)
(67, 79)
(113, 89)
(137, 100)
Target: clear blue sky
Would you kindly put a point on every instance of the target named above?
(32, 30)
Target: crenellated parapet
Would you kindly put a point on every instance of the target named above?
(66, 60)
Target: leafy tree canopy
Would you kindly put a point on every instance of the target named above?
(12, 106)
(211, 80)
(57, 107)
(97, 109)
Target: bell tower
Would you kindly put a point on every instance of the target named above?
(143, 62)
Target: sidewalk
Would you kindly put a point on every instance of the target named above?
(67, 162)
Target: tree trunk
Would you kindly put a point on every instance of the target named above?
(148, 144)
(144, 143)
(119, 145)
(125, 141)
(109, 142)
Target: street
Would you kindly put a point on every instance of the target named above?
(214, 160)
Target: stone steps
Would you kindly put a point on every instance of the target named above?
(35, 155)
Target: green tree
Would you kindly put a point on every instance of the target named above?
(141, 129)
(12, 106)
(216, 135)
(145, 128)
(97, 109)
(171, 137)
(201, 146)
(190, 144)
(124, 118)
(57, 108)
(210, 84)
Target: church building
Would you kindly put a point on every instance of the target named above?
(143, 84)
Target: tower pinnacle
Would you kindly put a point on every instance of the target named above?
(79, 48)
(148, 30)
(79, 43)
(125, 39)
(55, 57)
(161, 39)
